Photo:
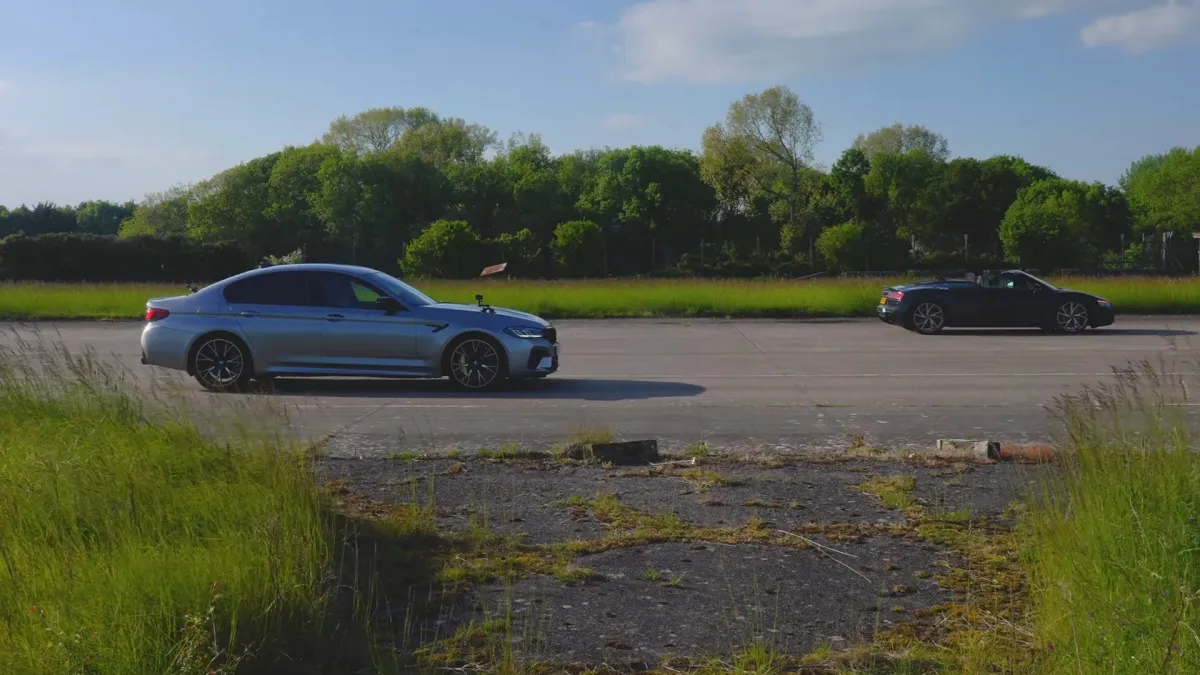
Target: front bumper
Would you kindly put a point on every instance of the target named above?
(1104, 316)
(543, 359)
(531, 358)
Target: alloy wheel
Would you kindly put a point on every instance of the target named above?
(1072, 317)
(928, 318)
(475, 364)
(219, 363)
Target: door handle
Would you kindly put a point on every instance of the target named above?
(249, 313)
(334, 317)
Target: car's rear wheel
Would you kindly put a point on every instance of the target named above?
(1071, 317)
(476, 363)
(221, 363)
(927, 318)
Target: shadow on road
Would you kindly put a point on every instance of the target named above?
(548, 389)
(1098, 332)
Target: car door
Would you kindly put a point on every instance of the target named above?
(277, 316)
(1013, 303)
(966, 305)
(358, 335)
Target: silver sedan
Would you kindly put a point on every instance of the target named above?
(339, 320)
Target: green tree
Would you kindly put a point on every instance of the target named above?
(102, 217)
(905, 187)
(376, 129)
(449, 248)
(521, 250)
(232, 206)
(653, 200)
(447, 141)
(1164, 192)
(160, 214)
(293, 192)
(899, 139)
(975, 198)
(339, 202)
(579, 248)
(1063, 223)
(844, 246)
(764, 146)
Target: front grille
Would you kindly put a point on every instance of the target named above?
(552, 335)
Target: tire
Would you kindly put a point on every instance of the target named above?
(476, 363)
(221, 363)
(927, 318)
(1071, 317)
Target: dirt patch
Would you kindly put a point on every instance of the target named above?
(703, 600)
(635, 566)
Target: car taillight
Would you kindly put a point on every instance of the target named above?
(896, 295)
(155, 313)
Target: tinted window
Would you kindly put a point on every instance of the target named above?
(275, 288)
(1017, 281)
(343, 291)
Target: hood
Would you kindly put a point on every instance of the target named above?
(497, 311)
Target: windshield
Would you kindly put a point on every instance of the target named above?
(1043, 282)
(403, 292)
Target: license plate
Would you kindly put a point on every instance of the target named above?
(555, 350)
(883, 301)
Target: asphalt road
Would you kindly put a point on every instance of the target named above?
(733, 384)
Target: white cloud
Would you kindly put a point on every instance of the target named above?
(1145, 29)
(623, 121)
(710, 41)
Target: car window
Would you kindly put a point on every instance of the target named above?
(342, 291)
(275, 288)
(1018, 282)
(410, 296)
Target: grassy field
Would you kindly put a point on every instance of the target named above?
(130, 543)
(1113, 553)
(610, 298)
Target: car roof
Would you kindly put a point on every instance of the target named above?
(310, 267)
(306, 267)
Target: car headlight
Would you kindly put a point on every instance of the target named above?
(525, 332)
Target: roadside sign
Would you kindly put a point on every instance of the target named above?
(1196, 235)
(493, 269)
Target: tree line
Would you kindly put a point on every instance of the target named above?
(439, 196)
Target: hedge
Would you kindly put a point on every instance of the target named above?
(103, 258)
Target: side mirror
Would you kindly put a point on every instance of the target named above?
(389, 305)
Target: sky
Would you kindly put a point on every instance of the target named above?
(114, 99)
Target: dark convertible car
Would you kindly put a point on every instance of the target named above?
(1012, 299)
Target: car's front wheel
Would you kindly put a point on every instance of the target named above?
(927, 318)
(1071, 317)
(221, 363)
(476, 363)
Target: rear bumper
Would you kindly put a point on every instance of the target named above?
(165, 347)
(890, 314)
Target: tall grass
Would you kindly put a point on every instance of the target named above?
(132, 543)
(609, 298)
(1114, 549)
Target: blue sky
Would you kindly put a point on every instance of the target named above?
(117, 98)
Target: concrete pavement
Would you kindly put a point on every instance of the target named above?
(779, 384)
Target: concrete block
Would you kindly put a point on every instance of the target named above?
(965, 449)
(626, 453)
